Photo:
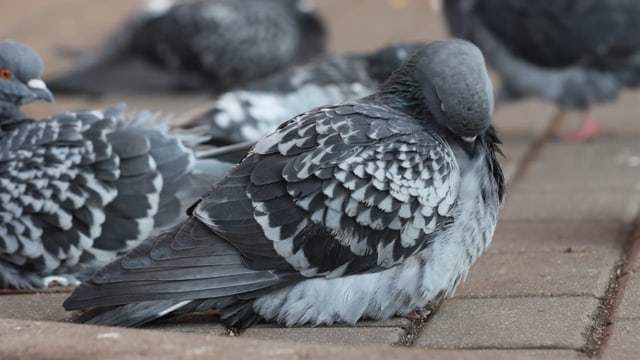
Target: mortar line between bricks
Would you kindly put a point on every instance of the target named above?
(514, 348)
(528, 296)
(417, 326)
(555, 221)
(536, 146)
(609, 304)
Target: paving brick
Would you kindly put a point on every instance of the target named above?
(525, 120)
(352, 336)
(22, 339)
(39, 306)
(519, 127)
(539, 273)
(205, 322)
(607, 164)
(82, 342)
(634, 251)
(547, 354)
(514, 152)
(562, 205)
(543, 236)
(620, 117)
(629, 304)
(624, 341)
(509, 323)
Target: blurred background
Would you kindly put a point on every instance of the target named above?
(51, 26)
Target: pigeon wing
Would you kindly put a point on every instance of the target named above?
(339, 190)
(57, 176)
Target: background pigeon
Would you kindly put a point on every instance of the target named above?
(206, 44)
(79, 187)
(573, 52)
(256, 109)
(362, 210)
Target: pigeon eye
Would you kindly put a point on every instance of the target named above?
(5, 73)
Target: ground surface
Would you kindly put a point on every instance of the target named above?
(561, 280)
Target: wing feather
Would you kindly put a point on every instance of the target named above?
(393, 186)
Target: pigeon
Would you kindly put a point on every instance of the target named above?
(256, 109)
(367, 209)
(210, 45)
(575, 53)
(81, 187)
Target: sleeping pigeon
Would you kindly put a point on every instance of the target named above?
(80, 187)
(575, 53)
(206, 44)
(255, 110)
(366, 209)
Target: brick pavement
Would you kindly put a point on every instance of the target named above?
(561, 280)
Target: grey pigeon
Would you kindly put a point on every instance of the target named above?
(366, 209)
(79, 188)
(256, 109)
(206, 44)
(575, 53)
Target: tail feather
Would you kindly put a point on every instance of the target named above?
(239, 315)
(137, 314)
(199, 269)
(131, 314)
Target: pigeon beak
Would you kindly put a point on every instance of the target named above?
(39, 88)
(469, 139)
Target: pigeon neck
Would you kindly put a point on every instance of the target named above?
(418, 100)
(401, 92)
(8, 111)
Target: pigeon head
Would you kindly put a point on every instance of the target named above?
(20, 76)
(381, 63)
(449, 81)
(313, 34)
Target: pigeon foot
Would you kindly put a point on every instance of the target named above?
(421, 312)
(589, 128)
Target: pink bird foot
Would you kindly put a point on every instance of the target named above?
(589, 128)
(421, 312)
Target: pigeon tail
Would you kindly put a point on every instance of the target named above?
(174, 261)
(131, 314)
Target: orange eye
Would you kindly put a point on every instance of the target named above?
(5, 73)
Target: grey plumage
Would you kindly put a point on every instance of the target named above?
(574, 53)
(204, 44)
(256, 109)
(366, 209)
(20, 73)
(80, 187)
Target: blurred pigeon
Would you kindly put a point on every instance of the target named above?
(80, 187)
(367, 209)
(206, 44)
(255, 110)
(575, 53)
